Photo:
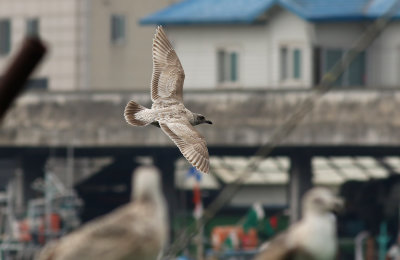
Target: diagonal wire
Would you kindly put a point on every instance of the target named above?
(366, 39)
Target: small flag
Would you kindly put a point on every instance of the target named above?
(273, 221)
(193, 172)
(198, 205)
(232, 241)
(253, 217)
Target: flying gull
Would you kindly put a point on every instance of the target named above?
(136, 231)
(313, 237)
(168, 110)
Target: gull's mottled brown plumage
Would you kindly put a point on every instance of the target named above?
(168, 74)
(193, 146)
(136, 231)
(167, 110)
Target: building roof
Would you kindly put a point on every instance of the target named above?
(330, 171)
(249, 11)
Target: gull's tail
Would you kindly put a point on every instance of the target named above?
(134, 114)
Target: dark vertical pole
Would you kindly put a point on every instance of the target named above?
(33, 167)
(317, 65)
(300, 181)
(165, 161)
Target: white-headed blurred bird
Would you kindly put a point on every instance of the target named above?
(313, 237)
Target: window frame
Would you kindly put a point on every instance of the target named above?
(227, 66)
(345, 77)
(32, 30)
(8, 45)
(287, 70)
(115, 39)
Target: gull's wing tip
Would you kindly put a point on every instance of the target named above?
(191, 144)
(205, 171)
(159, 30)
(202, 167)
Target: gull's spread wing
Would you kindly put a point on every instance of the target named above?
(168, 74)
(190, 142)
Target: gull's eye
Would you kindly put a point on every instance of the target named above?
(201, 117)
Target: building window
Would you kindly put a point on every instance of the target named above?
(38, 83)
(296, 64)
(5, 36)
(228, 66)
(118, 29)
(32, 27)
(284, 63)
(290, 63)
(354, 75)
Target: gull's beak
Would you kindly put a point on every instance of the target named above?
(208, 122)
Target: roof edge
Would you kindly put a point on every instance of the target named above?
(148, 20)
(288, 5)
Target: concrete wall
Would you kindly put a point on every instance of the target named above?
(61, 23)
(272, 195)
(384, 62)
(127, 65)
(338, 35)
(241, 118)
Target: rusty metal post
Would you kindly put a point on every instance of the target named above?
(18, 71)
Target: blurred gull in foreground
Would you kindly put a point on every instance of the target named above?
(137, 230)
(168, 111)
(313, 237)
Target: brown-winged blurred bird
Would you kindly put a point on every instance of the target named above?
(313, 237)
(136, 231)
(168, 110)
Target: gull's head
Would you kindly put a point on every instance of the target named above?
(321, 201)
(146, 183)
(200, 119)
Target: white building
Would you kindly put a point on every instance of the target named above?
(61, 23)
(93, 44)
(278, 44)
(120, 49)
